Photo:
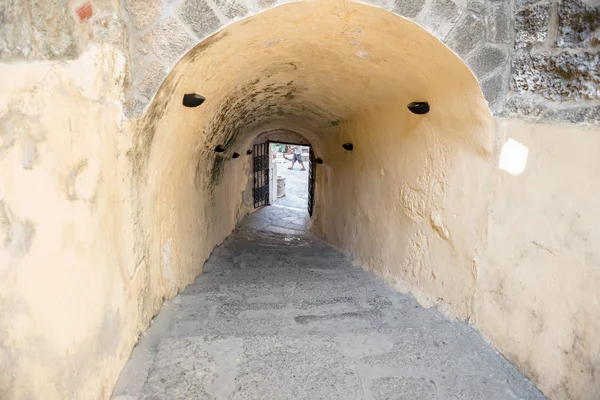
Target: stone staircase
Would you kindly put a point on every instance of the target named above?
(275, 316)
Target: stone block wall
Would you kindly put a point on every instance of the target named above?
(556, 62)
(537, 60)
(534, 59)
(479, 31)
(65, 218)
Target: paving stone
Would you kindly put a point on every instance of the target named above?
(578, 24)
(228, 327)
(531, 25)
(143, 12)
(486, 59)
(194, 368)
(199, 17)
(134, 375)
(307, 367)
(441, 347)
(169, 41)
(441, 17)
(405, 388)
(285, 329)
(467, 387)
(468, 33)
(408, 8)
(359, 345)
(498, 21)
(563, 76)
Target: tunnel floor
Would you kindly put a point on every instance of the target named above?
(281, 315)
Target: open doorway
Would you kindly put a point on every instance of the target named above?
(284, 176)
(290, 167)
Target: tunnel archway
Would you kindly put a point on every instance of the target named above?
(341, 74)
(104, 216)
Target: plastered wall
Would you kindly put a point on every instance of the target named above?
(396, 202)
(67, 316)
(103, 215)
(515, 255)
(537, 295)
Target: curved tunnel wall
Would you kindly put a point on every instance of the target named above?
(412, 201)
(354, 95)
(120, 214)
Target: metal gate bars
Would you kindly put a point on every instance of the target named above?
(312, 174)
(261, 174)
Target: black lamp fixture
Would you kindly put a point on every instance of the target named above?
(192, 100)
(235, 155)
(348, 146)
(248, 152)
(319, 161)
(219, 149)
(419, 107)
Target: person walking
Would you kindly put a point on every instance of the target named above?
(297, 156)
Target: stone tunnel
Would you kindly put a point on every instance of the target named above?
(112, 196)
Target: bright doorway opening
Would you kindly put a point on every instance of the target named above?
(291, 167)
(284, 181)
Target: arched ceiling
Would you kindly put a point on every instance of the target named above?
(309, 67)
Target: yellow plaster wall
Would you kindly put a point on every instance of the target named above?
(537, 296)
(112, 217)
(67, 310)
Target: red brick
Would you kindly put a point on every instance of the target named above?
(84, 12)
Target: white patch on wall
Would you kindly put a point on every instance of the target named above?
(513, 157)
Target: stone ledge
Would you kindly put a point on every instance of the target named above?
(539, 110)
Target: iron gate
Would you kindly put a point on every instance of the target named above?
(261, 174)
(312, 174)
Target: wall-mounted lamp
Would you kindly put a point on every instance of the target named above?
(192, 100)
(235, 155)
(419, 107)
(319, 161)
(219, 148)
(348, 146)
(248, 152)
